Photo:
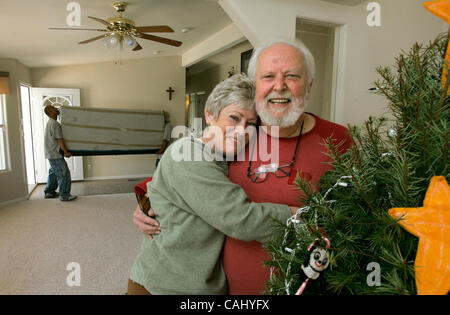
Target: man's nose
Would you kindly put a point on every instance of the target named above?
(280, 84)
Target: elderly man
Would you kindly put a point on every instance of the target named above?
(284, 73)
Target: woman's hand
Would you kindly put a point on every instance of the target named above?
(147, 225)
(294, 211)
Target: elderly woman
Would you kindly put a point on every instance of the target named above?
(197, 205)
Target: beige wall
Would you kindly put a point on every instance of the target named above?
(222, 40)
(206, 80)
(134, 84)
(13, 182)
(222, 63)
(403, 22)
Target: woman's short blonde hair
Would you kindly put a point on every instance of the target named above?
(238, 89)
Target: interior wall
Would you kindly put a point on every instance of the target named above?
(403, 22)
(217, 71)
(13, 182)
(220, 64)
(133, 84)
(203, 81)
(222, 40)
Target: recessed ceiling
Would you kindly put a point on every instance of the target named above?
(26, 37)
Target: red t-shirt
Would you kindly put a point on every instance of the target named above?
(244, 261)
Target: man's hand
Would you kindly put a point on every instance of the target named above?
(63, 147)
(147, 225)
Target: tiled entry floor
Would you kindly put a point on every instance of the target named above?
(94, 187)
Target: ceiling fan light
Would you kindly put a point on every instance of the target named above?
(130, 42)
(106, 42)
(111, 41)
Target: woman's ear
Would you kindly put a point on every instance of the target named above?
(209, 118)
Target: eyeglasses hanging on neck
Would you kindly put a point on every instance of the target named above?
(280, 170)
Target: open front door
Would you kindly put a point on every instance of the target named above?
(42, 97)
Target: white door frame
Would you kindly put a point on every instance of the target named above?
(39, 121)
(28, 150)
(337, 82)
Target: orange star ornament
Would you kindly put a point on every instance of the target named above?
(431, 224)
(441, 8)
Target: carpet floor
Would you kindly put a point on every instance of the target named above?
(94, 187)
(40, 238)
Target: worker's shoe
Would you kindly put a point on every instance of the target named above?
(51, 195)
(69, 198)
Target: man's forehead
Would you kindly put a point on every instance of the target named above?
(279, 53)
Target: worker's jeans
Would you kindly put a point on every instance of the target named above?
(58, 175)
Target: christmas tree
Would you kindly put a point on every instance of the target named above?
(390, 165)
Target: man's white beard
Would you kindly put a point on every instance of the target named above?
(296, 109)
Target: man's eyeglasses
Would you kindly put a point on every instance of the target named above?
(280, 170)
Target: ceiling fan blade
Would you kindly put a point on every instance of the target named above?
(155, 29)
(91, 39)
(77, 29)
(160, 39)
(138, 47)
(100, 21)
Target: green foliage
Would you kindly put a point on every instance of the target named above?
(382, 172)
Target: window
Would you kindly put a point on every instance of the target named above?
(3, 143)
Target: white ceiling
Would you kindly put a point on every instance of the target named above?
(25, 35)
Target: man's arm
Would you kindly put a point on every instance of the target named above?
(163, 147)
(63, 147)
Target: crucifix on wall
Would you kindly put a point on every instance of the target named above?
(170, 91)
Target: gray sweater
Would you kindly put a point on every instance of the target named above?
(197, 205)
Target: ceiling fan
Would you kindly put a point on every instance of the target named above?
(122, 30)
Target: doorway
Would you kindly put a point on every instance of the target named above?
(196, 108)
(33, 101)
(323, 41)
(41, 97)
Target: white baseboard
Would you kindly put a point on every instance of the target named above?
(119, 177)
(5, 203)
